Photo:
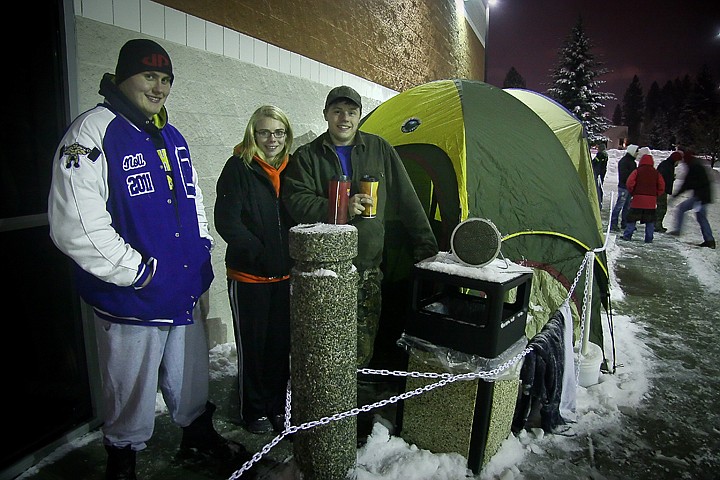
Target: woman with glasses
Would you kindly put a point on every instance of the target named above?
(251, 219)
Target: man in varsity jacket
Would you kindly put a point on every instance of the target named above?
(126, 207)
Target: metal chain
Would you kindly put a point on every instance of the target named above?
(577, 276)
(445, 379)
(587, 292)
(288, 403)
(583, 313)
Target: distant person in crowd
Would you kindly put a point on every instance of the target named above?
(698, 183)
(126, 207)
(644, 185)
(626, 165)
(666, 168)
(599, 166)
(343, 149)
(250, 217)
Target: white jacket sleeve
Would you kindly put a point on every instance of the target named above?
(200, 208)
(80, 224)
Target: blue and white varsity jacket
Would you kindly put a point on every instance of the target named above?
(142, 251)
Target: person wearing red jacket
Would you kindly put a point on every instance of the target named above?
(644, 184)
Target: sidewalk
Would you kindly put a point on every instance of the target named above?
(669, 293)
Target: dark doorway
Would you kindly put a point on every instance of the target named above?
(43, 363)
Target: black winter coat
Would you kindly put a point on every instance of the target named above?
(626, 165)
(252, 220)
(666, 168)
(698, 181)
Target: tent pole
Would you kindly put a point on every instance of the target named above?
(587, 301)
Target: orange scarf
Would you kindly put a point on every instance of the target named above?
(272, 172)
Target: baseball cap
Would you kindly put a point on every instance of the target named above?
(343, 92)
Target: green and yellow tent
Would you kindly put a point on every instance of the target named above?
(474, 150)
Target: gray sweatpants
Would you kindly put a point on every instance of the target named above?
(134, 361)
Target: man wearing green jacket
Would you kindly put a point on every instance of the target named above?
(343, 150)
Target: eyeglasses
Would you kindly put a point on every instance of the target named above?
(265, 134)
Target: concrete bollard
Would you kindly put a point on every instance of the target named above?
(323, 372)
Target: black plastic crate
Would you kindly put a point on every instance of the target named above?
(467, 314)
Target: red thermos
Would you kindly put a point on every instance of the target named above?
(338, 197)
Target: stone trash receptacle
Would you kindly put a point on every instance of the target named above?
(323, 371)
(462, 320)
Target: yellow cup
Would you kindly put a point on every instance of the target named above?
(369, 186)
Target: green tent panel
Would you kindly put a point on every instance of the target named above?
(571, 133)
(474, 150)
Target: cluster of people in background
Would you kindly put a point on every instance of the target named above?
(125, 205)
(644, 192)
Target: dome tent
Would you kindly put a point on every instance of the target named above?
(571, 133)
(473, 150)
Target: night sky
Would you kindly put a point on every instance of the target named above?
(655, 40)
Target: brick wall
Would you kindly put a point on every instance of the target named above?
(395, 43)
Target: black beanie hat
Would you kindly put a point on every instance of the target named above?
(141, 55)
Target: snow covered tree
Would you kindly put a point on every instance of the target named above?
(513, 79)
(575, 83)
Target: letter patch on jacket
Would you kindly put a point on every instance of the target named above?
(132, 162)
(140, 184)
(183, 158)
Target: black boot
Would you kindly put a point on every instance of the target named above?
(201, 442)
(120, 464)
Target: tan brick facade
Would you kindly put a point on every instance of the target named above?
(395, 43)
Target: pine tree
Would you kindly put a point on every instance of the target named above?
(670, 104)
(652, 103)
(575, 83)
(513, 79)
(660, 135)
(668, 100)
(633, 105)
(652, 109)
(686, 114)
(683, 88)
(701, 115)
